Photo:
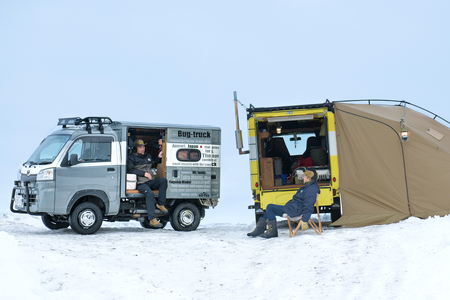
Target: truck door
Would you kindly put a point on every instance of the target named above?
(96, 170)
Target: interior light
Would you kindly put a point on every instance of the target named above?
(278, 128)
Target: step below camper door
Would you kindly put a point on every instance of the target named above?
(193, 163)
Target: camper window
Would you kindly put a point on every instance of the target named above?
(188, 155)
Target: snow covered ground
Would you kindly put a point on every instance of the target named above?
(406, 260)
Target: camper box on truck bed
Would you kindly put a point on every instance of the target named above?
(283, 142)
(78, 177)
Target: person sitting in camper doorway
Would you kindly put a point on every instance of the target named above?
(160, 152)
(301, 204)
(159, 147)
(141, 163)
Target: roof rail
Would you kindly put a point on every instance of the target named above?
(400, 103)
(88, 121)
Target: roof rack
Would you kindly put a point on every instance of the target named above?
(88, 121)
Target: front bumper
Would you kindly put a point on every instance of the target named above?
(22, 198)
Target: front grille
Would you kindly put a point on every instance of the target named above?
(25, 178)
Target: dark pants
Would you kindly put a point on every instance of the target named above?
(146, 189)
(272, 211)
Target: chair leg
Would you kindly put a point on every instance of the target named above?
(318, 216)
(290, 228)
(298, 227)
(314, 226)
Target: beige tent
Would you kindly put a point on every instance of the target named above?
(382, 179)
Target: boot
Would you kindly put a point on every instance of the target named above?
(271, 231)
(155, 224)
(162, 209)
(259, 229)
(305, 226)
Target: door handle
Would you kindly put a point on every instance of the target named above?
(111, 169)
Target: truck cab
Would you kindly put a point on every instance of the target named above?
(283, 142)
(78, 177)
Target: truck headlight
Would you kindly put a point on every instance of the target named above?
(47, 174)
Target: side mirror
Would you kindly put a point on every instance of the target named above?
(73, 159)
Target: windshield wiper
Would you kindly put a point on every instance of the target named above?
(30, 162)
(45, 162)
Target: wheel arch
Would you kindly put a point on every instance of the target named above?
(174, 203)
(97, 197)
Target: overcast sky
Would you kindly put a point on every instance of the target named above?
(180, 61)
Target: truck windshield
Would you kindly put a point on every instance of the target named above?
(48, 150)
(297, 143)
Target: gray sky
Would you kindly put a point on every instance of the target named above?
(180, 61)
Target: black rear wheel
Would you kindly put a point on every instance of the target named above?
(185, 217)
(258, 215)
(336, 209)
(335, 215)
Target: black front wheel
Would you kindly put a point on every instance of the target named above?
(185, 217)
(86, 218)
(52, 223)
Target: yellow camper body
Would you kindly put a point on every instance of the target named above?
(283, 141)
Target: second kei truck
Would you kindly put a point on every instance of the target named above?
(283, 141)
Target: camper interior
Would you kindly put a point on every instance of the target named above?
(287, 147)
(150, 137)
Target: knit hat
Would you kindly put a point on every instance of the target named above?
(311, 173)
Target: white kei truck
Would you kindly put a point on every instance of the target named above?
(78, 177)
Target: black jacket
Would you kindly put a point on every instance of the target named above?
(140, 164)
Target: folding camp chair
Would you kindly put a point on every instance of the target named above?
(317, 229)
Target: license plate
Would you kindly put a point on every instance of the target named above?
(18, 200)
